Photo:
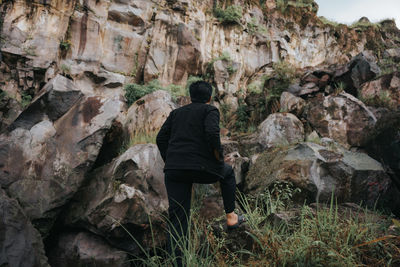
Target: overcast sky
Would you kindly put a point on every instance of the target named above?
(349, 11)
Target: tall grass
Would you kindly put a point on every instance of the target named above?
(325, 235)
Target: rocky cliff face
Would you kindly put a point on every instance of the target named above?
(65, 124)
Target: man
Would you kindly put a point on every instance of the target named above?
(190, 145)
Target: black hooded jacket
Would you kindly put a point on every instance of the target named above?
(190, 139)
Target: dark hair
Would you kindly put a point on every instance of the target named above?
(200, 91)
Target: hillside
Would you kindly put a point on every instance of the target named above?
(310, 113)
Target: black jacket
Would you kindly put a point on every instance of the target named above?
(189, 139)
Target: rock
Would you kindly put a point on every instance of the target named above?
(283, 217)
(43, 167)
(85, 249)
(320, 171)
(301, 90)
(148, 114)
(33, 29)
(359, 70)
(126, 195)
(53, 101)
(392, 53)
(239, 164)
(313, 137)
(280, 129)
(341, 117)
(291, 103)
(20, 243)
(229, 146)
(384, 91)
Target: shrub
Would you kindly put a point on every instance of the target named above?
(242, 117)
(190, 80)
(65, 45)
(230, 15)
(284, 74)
(135, 91)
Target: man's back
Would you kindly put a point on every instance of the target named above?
(188, 138)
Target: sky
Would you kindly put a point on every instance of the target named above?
(349, 11)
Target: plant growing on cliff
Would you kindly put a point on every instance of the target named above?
(254, 27)
(135, 91)
(231, 15)
(225, 56)
(65, 45)
(284, 74)
(242, 117)
(25, 99)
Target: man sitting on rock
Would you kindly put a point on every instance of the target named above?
(190, 145)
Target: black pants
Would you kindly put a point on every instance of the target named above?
(179, 188)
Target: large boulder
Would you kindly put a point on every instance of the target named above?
(341, 117)
(124, 196)
(280, 129)
(320, 171)
(148, 114)
(292, 104)
(20, 243)
(85, 249)
(43, 165)
(384, 91)
(53, 101)
(360, 69)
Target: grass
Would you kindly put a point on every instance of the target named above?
(383, 99)
(139, 138)
(329, 22)
(325, 235)
(365, 24)
(388, 65)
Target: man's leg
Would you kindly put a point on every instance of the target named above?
(228, 189)
(179, 196)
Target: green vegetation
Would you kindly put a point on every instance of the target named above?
(138, 138)
(242, 117)
(25, 99)
(328, 22)
(284, 74)
(225, 56)
(254, 28)
(65, 45)
(135, 65)
(381, 100)
(282, 5)
(365, 24)
(65, 68)
(190, 80)
(388, 65)
(231, 15)
(326, 235)
(135, 91)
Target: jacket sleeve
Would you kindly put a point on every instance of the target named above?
(163, 136)
(212, 133)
